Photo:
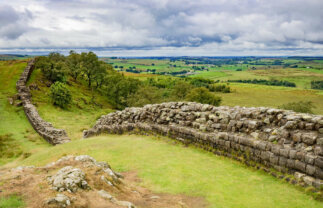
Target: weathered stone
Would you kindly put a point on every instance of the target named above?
(68, 179)
(59, 201)
(310, 170)
(300, 165)
(309, 138)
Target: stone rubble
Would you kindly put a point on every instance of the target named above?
(43, 128)
(284, 140)
(59, 201)
(112, 199)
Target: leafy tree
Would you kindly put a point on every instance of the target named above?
(74, 64)
(203, 95)
(145, 95)
(301, 107)
(89, 66)
(60, 95)
(181, 89)
(100, 72)
(118, 88)
(53, 67)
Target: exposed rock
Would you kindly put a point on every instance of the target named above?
(108, 196)
(68, 179)
(59, 201)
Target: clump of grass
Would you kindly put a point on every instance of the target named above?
(11, 202)
(9, 147)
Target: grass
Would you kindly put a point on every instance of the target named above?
(167, 167)
(11, 202)
(252, 95)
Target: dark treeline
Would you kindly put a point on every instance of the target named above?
(273, 82)
(122, 91)
(317, 85)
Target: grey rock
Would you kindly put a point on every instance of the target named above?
(60, 201)
(68, 179)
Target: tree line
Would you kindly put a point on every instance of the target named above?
(272, 82)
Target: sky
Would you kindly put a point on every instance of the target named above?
(163, 27)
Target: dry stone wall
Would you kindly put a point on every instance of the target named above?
(43, 128)
(284, 140)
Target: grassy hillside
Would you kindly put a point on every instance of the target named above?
(162, 165)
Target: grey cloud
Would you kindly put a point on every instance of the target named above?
(12, 23)
(213, 24)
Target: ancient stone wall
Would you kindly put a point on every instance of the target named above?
(289, 142)
(43, 128)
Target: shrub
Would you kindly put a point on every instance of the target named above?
(60, 95)
(301, 107)
(220, 88)
(317, 85)
(203, 95)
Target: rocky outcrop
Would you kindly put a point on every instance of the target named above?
(81, 181)
(284, 140)
(43, 128)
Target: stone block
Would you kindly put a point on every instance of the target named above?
(300, 166)
(310, 170)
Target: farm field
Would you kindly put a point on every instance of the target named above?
(299, 71)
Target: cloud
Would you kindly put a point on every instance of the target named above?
(165, 26)
(13, 24)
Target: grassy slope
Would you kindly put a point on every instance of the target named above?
(12, 118)
(163, 166)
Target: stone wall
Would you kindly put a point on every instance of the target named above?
(289, 142)
(43, 128)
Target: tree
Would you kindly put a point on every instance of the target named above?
(145, 95)
(60, 95)
(203, 95)
(181, 89)
(89, 64)
(74, 64)
(53, 67)
(118, 88)
(100, 72)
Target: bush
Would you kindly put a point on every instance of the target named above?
(60, 95)
(203, 95)
(317, 85)
(220, 88)
(301, 107)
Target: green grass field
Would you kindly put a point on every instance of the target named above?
(162, 165)
(252, 95)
